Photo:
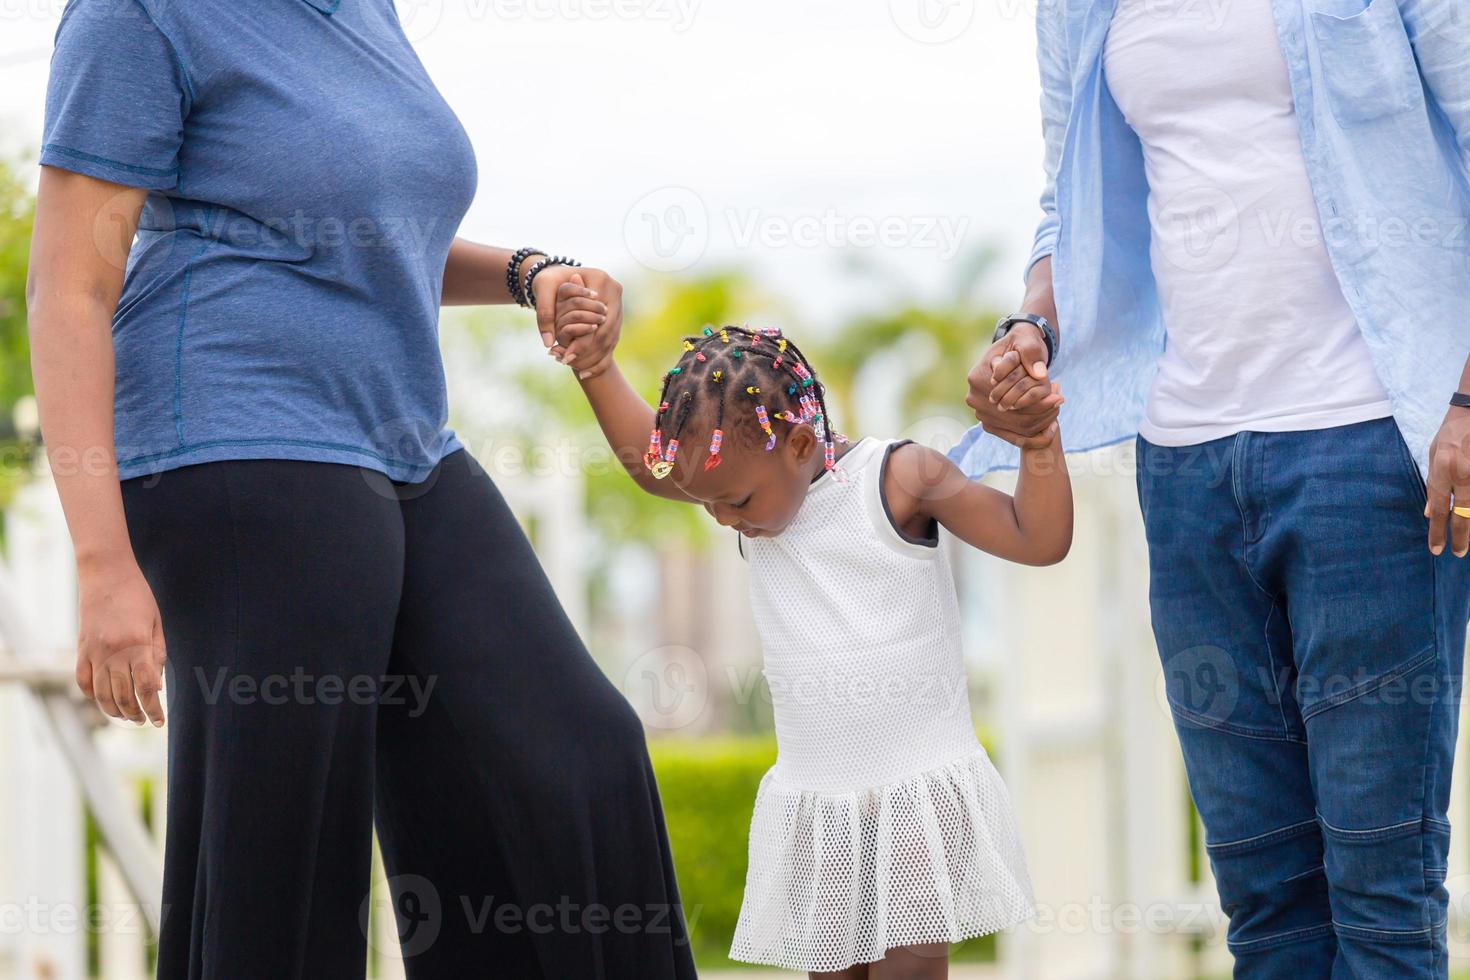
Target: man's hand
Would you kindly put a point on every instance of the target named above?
(587, 340)
(1010, 393)
(1449, 476)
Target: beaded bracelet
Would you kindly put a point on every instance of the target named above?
(512, 281)
(536, 269)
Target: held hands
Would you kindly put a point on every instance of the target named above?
(1449, 476)
(580, 315)
(1010, 393)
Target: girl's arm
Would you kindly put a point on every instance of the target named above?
(626, 421)
(79, 246)
(625, 418)
(1034, 527)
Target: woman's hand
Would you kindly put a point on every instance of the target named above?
(586, 343)
(120, 651)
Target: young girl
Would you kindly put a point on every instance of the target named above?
(882, 833)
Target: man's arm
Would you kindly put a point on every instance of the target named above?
(1439, 31)
(1031, 409)
(1011, 392)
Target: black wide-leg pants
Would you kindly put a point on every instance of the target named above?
(342, 647)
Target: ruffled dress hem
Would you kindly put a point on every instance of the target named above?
(839, 878)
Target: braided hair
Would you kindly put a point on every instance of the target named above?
(743, 371)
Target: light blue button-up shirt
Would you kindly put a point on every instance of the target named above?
(1382, 96)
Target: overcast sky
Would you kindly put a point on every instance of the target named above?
(682, 135)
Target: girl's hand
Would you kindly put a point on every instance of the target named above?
(586, 349)
(120, 650)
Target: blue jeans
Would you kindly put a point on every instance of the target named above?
(1312, 651)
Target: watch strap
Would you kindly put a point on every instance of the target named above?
(1048, 332)
(1460, 400)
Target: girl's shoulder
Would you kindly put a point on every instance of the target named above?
(904, 468)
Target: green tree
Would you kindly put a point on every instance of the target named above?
(17, 217)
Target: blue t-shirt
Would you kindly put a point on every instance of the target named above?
(305, 179)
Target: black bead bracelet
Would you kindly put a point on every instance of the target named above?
(513, 281)
(536, 269)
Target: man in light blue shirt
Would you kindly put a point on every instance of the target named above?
(1254, 261)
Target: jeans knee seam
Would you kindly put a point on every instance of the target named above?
(1280, 939)
(1418, 660)
(1387, 832)
(1404, 936)
(1261, 840)
(1219, 726)
(1320, 869)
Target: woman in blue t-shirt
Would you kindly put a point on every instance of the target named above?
(245, 229)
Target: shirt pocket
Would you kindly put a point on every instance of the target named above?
(1366, 61)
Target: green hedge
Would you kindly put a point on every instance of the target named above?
(708, 791)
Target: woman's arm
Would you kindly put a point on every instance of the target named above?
(83, 230)
(1034, 527)
(474, 275)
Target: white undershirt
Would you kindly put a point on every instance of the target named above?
(1259, 334)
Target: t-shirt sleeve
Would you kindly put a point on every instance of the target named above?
(117, 96)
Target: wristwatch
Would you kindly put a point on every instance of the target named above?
(1048, 332)
(1460, 400)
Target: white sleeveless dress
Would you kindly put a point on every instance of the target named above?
(883, 822)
